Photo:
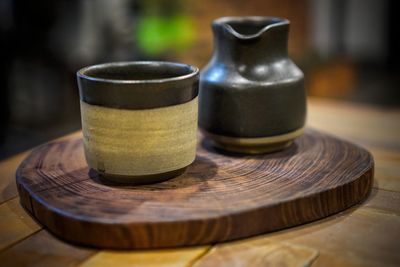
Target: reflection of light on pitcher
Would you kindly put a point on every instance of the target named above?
(219, 73)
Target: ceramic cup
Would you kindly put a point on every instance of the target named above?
(139, 119)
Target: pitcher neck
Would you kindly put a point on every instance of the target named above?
(250, 40)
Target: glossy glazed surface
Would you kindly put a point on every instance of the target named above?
(138, 84)
(251, 88)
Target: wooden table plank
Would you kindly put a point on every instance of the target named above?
(15, 223)
(42, 249)
(8, 187)
(333, 260)
(357, 237)
(365, 125)
(383, 201)
(250, 253)
(387, 170)
(361, 236)
(165, 257)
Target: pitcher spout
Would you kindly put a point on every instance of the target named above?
(250, 40)
(246, 28)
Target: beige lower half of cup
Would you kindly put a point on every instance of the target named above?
(124, 142)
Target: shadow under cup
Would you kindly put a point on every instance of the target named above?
(139, 119)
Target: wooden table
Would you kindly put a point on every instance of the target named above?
(365, 235)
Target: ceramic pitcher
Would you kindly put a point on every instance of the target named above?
(252, 96)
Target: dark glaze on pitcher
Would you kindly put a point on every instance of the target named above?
(252, 96)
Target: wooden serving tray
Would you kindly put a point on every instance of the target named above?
(220, 197)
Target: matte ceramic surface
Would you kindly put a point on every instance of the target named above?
(251, 88)
(139, 119)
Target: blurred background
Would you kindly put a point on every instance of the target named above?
(349, 50)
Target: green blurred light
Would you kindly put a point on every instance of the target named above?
(157, 35)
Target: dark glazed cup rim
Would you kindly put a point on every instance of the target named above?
(138, 84)
(266, 22)
(85, 72)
